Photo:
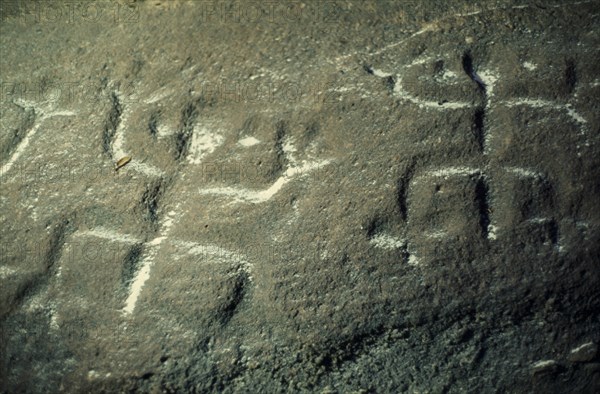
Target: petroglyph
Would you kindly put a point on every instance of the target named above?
(389, 242)
(42, 111)
(108, 234)
(151, 249)
(455, 139)
(240, 194)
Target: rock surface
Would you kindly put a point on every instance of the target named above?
(329, 196)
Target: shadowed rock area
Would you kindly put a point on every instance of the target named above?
(322, 196)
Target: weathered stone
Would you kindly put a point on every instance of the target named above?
(344, 196)
(584, 353)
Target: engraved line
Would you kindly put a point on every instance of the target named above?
(29, 135)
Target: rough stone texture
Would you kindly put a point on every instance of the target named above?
(331, 196)
(584, 353)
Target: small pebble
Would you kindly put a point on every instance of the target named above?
(584, 353)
